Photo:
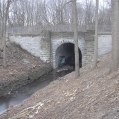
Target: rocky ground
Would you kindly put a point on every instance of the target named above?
(94, 95)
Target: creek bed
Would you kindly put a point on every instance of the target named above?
(24, 92)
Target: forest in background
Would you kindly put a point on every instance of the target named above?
(31, 16)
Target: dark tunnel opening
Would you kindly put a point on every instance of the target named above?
(65, 55)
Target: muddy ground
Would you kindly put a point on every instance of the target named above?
(21, 65)
(94, 95)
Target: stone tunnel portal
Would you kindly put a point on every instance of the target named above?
(65, 55)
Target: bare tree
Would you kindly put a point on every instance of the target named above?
(96, 36)
(115, 35)
(76, 40)
(105, 15)
(89, 12)
(5, 13)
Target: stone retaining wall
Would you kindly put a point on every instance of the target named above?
(29, 43)
(46, 44)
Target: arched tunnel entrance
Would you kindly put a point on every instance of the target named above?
(65, 55)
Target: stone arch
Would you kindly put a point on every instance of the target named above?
(58, 42)
(66, 50)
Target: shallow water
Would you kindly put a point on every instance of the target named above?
(25, 92)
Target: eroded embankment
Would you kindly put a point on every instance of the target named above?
(8, 86)
(95, 95)
(22, 68)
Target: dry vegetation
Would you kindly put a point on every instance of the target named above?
(95, 95)
(19, 62)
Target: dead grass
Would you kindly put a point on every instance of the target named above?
(95, 95)
(19, 63)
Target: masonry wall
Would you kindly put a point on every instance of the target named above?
(88, 51)
(29, 43)
(89, 47)
(104, 47)
(59, 38)
(104, 44)
(45, 46)
(45, 49)
(57, 42)
(36, 45)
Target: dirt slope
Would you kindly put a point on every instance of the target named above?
(19, 62)
(95, 95)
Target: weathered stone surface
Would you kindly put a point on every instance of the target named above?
(45, 46)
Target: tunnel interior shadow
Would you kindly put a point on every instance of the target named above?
(65, 55)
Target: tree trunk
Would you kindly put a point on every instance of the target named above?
(115, 35)
(76, 40)
(96, 36)
(4, 45)
(4, 32)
